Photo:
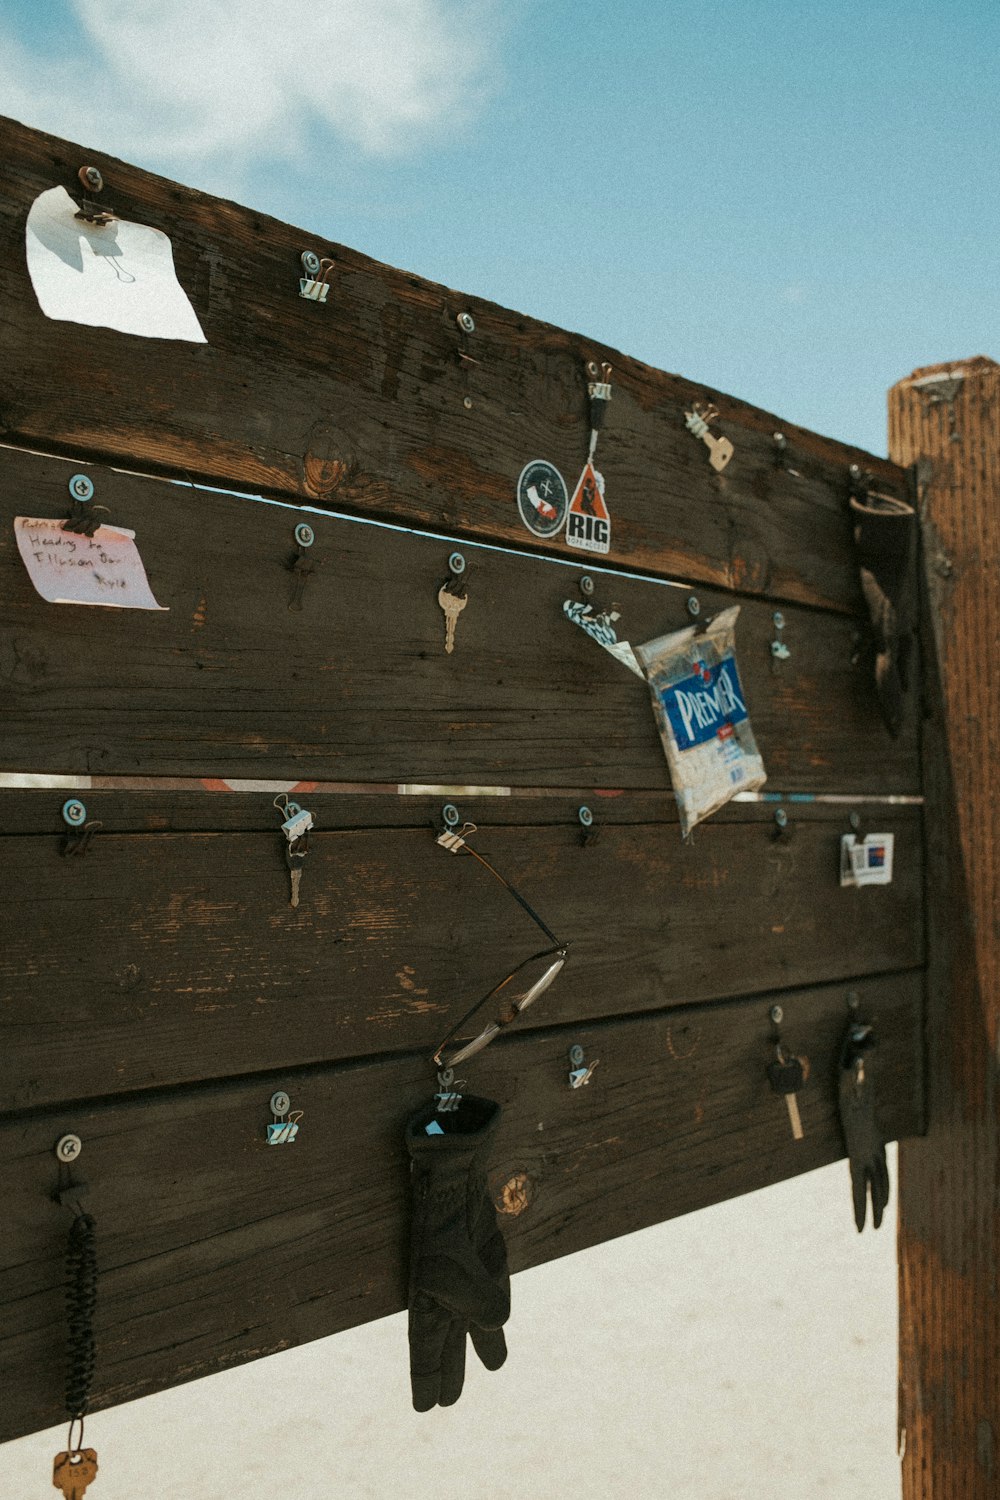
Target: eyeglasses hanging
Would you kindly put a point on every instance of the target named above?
(455, 841)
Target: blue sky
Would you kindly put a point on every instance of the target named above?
(793, 202)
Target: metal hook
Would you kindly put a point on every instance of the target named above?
(79, 831)
(302, 565)
(588, 833)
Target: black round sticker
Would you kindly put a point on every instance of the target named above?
(542, 498)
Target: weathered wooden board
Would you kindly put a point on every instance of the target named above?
(216, 1249)
(165, 805)
(946, 420)
(162, 958)
(361, 402)
(356, 685)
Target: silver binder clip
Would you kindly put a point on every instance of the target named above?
(315, 284)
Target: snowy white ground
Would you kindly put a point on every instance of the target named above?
(747, 1352)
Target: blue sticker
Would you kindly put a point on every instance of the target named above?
(706, 705)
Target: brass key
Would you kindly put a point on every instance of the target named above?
(72, 1472)
(787, 1075)
(452, 604)
(295, 858)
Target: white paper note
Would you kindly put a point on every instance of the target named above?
(67, 568)
(119, 276)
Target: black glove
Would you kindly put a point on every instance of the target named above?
(864, 1141)
(884, 531)
(459, 1283)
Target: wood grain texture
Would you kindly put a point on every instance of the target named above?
(215, 1249)
(946, 419)
(360, 403)
(356, 686)
(170, 957)
(169, 806)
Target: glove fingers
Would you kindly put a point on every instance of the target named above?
(430, 1329)
(489, 1344)
(880, 1187)
(452, 1365)
(461, 1284)
(859, 1190)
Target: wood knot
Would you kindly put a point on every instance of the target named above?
(515, 1195)
(327, 461)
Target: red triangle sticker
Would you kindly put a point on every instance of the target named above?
(588, 523)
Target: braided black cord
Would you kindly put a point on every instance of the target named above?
(81, 1300)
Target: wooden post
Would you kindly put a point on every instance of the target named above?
(946, 421)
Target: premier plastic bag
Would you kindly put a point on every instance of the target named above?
(701, 713)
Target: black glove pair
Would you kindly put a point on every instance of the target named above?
(864, 1141)
(884, 535)
(459, 1283)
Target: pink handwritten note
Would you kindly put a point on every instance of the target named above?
(67, 568)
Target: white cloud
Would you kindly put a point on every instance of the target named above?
(234, 80)
(796, 293)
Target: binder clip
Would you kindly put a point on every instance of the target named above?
(285, 1126)
(92, 213)
(315, 284)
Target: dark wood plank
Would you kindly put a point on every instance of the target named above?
(166, 805)
(947, 421)
(216, 1249)
(162, 958)
(361, 403)
(357, 686)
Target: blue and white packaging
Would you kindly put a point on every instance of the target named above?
(702, 715)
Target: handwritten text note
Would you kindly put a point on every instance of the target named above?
(67, 568)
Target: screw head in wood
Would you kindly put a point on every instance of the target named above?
(91, 178)
(456, 563)
(694, 606)
(586, 816)
(466, 322)
(586, 585)
(74, 813)
(467, 402)
(781, 818)
(304, 535)
(68, 1147)
(310, 263)
(777, 1014)
(576, 1055)
(81, 487)
(280, 1102)
(450, 814)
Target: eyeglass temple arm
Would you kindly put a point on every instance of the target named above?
(520, 901)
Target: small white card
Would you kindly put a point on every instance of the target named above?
(68, 568)
(867, 861)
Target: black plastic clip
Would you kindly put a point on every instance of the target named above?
(84, 517)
